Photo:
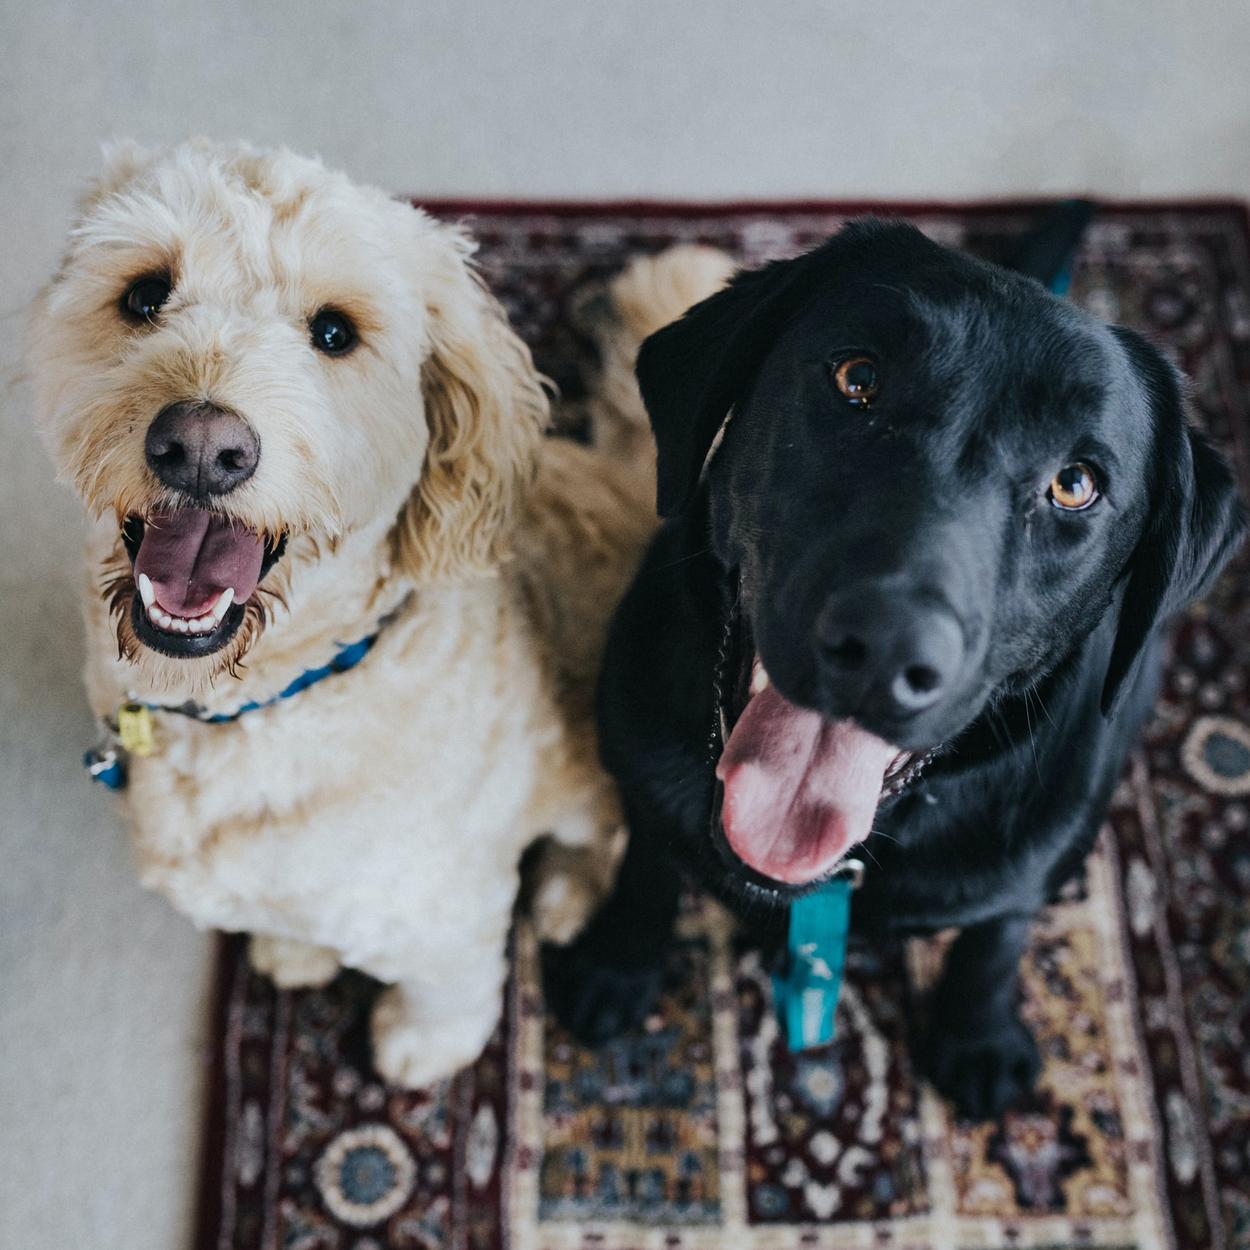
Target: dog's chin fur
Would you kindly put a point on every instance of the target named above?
(378, 819)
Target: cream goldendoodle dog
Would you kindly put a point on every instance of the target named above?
(345, 600)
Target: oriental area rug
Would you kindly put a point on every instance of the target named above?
(702, 1132)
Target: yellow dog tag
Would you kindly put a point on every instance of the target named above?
(134, 729)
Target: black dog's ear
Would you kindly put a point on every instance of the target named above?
(1195, 522)
(693, 371)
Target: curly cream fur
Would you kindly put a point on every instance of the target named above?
(486, 413)
(378, 819)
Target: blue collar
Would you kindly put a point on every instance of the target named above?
(107, 763)
(345, 658)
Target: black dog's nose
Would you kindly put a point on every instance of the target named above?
(888, 654)
(201, 449)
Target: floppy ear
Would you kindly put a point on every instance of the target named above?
(691, 372)
(1195, 523)
(486, 413)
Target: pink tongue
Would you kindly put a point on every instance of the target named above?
(799, 790)
(191, 556)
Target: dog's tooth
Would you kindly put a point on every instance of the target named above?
(161, 618)
(195, 625)
(146, 591)
(181, 624)
(759, 678)
(222, 606)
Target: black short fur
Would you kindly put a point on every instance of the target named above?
(930, 506)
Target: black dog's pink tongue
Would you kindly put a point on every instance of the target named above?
(191, 556)
(799, 789)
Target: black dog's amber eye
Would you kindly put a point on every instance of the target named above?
(1073, 488)
(332, 332)
(857, 379)
(145, 297)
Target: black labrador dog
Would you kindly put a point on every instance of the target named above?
(925, 522)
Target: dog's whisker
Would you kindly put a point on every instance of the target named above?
(1028, 716)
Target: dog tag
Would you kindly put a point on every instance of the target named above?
(134, 729)
(806, 996)
(107, 766)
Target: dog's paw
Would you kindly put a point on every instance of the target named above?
(567, 880)
(414, 1049)
(594, 1001)
(985, 1074)
(562, 904)
(292, 965)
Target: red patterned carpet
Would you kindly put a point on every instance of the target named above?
(703, 1133)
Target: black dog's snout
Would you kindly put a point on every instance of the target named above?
(201, 449)
(887, 654)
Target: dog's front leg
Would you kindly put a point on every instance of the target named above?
(978, 1052)
(429, 1026)
(608, 980)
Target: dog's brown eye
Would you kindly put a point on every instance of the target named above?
(857, 379)
(332, 332)
(1073, 488)
(145, 298)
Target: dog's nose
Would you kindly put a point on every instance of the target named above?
(201, 449)
(888, 654)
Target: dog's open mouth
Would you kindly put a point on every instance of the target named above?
(796, 791)
(195, 571)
